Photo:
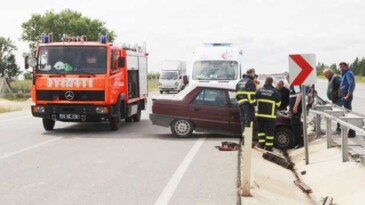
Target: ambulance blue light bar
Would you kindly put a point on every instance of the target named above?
(45, 38)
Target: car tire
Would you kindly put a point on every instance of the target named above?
(161, 91)
(284, 138)
(182, 128)
(48, 124)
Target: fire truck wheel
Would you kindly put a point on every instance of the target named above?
(114, 121)
(48, 124)
(137, 116)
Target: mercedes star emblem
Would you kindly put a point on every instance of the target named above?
(69, 95)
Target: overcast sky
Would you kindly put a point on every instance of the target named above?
(267, 30)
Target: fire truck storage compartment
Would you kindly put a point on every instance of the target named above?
(133, 84)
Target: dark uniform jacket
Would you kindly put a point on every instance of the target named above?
(246, 90)
(268, 100)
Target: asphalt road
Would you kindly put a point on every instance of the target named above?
(86, 163)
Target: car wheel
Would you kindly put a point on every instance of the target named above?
(182, 128)
(284, 138)
(48, 124)
(161, 91)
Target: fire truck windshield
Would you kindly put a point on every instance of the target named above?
(215, 70)
(72, 59)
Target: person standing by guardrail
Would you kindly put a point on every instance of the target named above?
(333, 89)
(295, 107)
(245, 96)
(347, 88)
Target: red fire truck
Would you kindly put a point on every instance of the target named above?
(82, 81)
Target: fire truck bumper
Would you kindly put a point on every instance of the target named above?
(74, 113)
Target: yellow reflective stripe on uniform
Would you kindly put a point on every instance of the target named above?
(248, 93)
(266, 116)
(251, 124)
(262, 140)
(273, 114)
(278, 103)
(261, 134)
(242, 101)
(269, 137)
(269, 143)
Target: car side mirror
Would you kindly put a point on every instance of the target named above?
(30, 62)
(121, 61)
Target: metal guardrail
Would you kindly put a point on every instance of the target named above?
(346, 122)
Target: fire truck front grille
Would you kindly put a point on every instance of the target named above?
(51, 95)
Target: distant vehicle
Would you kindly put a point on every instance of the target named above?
(210, 108)
(171, 78)
(216, 63)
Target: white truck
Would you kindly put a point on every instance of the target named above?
(171, 78)
(216, 63)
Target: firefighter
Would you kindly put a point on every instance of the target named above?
(245, 96)
(268, 100)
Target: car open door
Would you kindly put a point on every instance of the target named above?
(234, 115)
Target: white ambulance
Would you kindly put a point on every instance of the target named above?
(216, 63)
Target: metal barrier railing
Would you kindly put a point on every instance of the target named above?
(346, 122)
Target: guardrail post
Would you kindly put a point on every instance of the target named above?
(329, 133)
(345, 151)
(318, 125)
(246, 162)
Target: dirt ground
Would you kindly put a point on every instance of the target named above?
(15, 105)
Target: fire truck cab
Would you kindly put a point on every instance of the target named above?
(81, 81)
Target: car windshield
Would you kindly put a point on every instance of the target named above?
(72, 59)
(215, 70)
(168, 75)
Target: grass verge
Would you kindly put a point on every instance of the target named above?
(9, 109)
(152, 85)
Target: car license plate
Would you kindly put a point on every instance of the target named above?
(69, 116)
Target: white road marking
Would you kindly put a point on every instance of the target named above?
(171, 186)
(7, 155)
(7, 120)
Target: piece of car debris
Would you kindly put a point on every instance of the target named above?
(228, 146)
(327, 200)
(303, 186)
(278, 160)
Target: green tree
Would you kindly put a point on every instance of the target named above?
(66, 22)
(8, 66)
(28, 76)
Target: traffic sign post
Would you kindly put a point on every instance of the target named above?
(302, 72)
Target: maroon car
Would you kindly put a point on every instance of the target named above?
(209, 108)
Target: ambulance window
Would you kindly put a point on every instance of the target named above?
(132, 62)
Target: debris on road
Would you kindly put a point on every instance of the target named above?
(228, 146)
(303, 186)
(327, 200)
(278, 160)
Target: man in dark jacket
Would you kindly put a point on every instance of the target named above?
(333, 94)
(245, 96)
(284, 95)
(347, 88)
(268, 100)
